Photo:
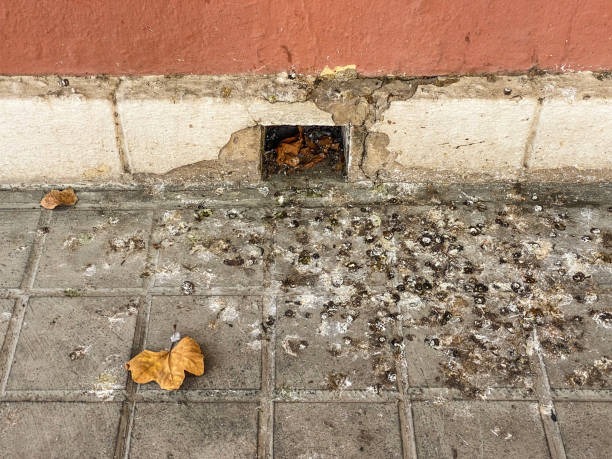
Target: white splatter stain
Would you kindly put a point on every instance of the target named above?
(168, 270)
(105, 385)
(229, 314)
(119, 317)
(603, 319)
(254, 336)
(214, 305)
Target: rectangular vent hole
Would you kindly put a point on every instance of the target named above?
(305, 151)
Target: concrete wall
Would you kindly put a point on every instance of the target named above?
(205, 130)
(412, 37)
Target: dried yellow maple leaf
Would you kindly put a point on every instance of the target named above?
(168, 368)
(56, 198)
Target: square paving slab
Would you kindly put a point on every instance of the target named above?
(337, 343)
(17, 231)
(337, 430)
(197, 430)
(210, 248)
(74, 343)
(479, 429)
(586, 428)
(95, 249)
(228, 329)
(58, 430)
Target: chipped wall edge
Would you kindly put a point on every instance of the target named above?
(206, 130)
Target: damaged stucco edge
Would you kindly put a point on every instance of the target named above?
(525, 128)
(205, 130)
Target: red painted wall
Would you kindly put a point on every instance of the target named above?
(414, 37)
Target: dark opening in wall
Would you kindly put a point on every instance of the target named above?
(309, 151)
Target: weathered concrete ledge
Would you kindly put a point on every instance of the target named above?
(200, 130)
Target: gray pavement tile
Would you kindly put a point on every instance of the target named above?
(210, 248)
(228, 329)
(368, 430)
(95, 249)
(6, 312)
(577, 345)
(58, 430)
(74, 343)
(195, 430)
(586, 429)
(479, 429)
(330, 247)
(329, 342)
(17, 230)
(459, 343)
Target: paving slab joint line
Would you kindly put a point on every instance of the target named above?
(584, 395)
(11, 293)
(281, 395)
(7, 353)
(547, 406)
(9, 347)
(62, 396)
(84, 293)
(295, 395)
(406, 422)
(131, 408)
(265, 431)
(265, 428)
(406, 419)
(27, 283)
(335, 396)
(126, 422)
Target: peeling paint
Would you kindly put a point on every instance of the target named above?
(328, 72)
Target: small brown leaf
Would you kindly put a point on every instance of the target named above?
(56, 198)
(168, 368)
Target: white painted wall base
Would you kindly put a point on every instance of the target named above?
(109, 130)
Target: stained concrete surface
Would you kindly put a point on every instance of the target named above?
(232, 338)
(337, 320)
